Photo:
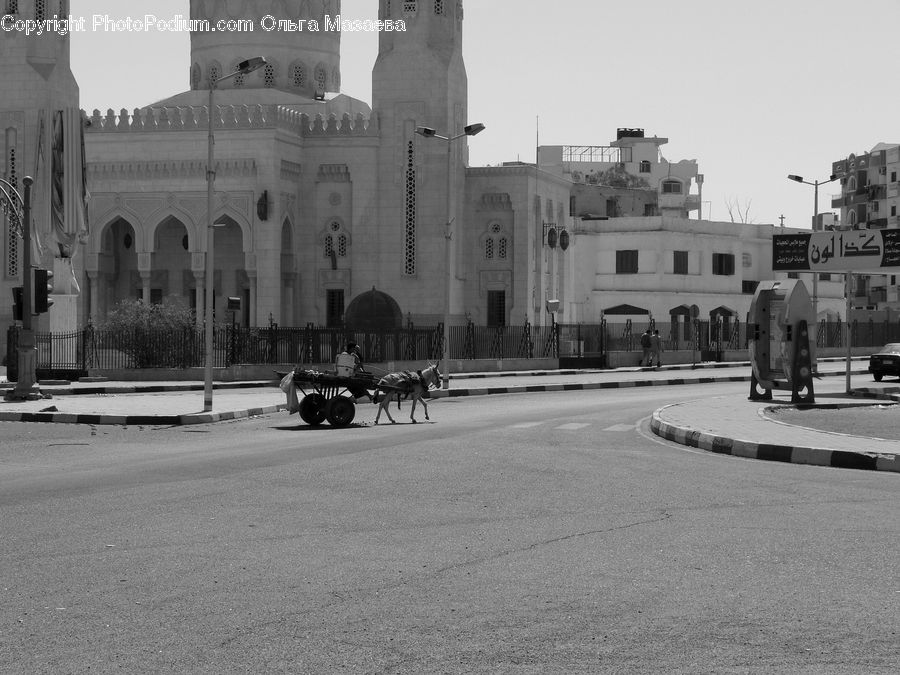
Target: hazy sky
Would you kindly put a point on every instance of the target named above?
(752, 90)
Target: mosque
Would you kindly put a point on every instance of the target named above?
(330, 211)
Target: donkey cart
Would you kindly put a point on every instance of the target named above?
(331, 397)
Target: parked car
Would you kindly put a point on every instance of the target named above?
(885, 362)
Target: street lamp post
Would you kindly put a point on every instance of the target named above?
(243, 68)
(428, 132)
(19, 208)
(815, 184)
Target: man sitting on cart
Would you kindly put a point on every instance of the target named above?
(349, 364)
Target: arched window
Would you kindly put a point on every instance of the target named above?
(269, 75)
(337, 240)
(213, 72)
(298, 75)
(496, 244)
(321, 77)
(237, 80)
(851, 217)
(851, 184)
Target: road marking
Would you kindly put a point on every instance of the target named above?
(572, 426)
(620, 427)
(526, 425)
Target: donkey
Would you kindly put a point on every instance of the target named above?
(407, 384)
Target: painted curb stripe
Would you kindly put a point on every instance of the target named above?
(839, 459)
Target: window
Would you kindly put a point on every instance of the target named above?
(320, 76)
(627, 262)
(749, 287)
(409, 261)
(298, 75)
(824, 276)
(336, 240)
(649, 209)
(680, 260)
(269, 75)
(671, 187)
(893, 210)
(723, 264)
(572, 204)
(438, 6)
(496, 308)
(12, 6)
(409, 6)
(495, 244)
(893, 176)
(644, 166)
(793, 275)
(334, 307)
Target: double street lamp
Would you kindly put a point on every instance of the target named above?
(243, 68)
(815, 184)
(428, 132)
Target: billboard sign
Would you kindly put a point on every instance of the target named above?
(840, 251)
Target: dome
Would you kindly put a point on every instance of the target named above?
(299, 60)
(373, 310)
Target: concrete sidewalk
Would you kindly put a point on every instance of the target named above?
(744, 428)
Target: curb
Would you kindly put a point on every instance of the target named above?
(444, 393)
(208, 418)
(136, 420)
(840, 459)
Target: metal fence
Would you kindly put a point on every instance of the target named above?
(114, 350)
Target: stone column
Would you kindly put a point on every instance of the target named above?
(94, 309)
(251, 276)
(199, 291)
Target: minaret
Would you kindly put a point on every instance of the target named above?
(306, 61)
(419, 79)
(38, 85)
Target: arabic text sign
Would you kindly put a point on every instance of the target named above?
(843, 251)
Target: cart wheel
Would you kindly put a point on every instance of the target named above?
(312, 409)
(877, 376)
(340, 411)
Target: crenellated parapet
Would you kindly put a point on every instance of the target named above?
(195, 118)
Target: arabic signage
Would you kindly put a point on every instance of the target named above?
(844, 251)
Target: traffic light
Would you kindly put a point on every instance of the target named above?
(43, 287)
(18, 301)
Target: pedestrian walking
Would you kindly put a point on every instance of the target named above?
(646, 343)
(655, 349)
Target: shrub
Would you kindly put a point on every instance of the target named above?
(154, 336)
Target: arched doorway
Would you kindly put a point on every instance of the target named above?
(373, 310)
(117, 273)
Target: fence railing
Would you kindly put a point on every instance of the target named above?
(91, 348)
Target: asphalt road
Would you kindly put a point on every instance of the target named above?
(525, 533)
